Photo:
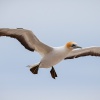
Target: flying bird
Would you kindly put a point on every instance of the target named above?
(50, 55)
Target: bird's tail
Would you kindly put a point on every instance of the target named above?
(31, 66)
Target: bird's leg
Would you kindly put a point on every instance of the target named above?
(35, 69)
(53, 73)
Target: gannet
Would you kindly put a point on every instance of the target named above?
(50, 55)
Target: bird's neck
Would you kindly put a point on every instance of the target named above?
(63, 49)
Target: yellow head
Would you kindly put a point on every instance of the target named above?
(72, 45)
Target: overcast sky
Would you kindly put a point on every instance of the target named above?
(54, 22)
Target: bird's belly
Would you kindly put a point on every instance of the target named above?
(50, 61)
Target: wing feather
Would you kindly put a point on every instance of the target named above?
(91, 51)
(27, 39)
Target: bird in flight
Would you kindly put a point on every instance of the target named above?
(50, 55)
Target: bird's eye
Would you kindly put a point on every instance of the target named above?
(73, 45)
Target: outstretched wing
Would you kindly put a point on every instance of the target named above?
(27, 39)
(91, 51)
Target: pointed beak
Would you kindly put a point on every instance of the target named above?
(77, 47)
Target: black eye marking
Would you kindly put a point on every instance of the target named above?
(73, 45)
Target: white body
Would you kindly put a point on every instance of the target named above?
(55, 56)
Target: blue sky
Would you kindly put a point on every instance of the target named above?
(54, 22)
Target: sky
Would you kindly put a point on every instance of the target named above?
(54, 22)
